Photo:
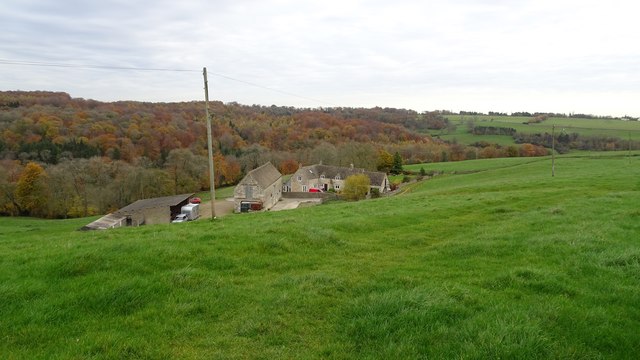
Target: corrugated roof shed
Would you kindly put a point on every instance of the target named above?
(152, 203)
(106, 222)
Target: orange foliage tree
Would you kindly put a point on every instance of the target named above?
(31, 190)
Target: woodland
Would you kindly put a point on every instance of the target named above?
(70, 157)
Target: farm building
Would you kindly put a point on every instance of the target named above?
(326, 177)
(261, 189)
(143, 212)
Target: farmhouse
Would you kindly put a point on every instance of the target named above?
(327, 177)
(143, 212)
(260, 189)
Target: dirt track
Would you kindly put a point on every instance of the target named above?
(223, 207)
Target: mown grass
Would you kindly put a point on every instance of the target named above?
(503, 263)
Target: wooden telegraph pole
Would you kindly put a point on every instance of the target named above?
(553, 150)
(209, 146)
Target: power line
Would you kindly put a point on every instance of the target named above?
(111, 67)
(271, 89)
(88, 66)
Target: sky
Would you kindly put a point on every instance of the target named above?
(485, 55)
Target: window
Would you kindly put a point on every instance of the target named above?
(321, 176)
(304, 188)
(299, 178)
(338, 177)
(336, 186)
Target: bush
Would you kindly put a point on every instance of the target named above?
(356, 187)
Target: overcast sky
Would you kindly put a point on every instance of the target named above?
(485, 55)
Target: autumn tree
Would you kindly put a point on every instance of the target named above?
(9, 174)
(362, 155)
(356, 187)
(62, 192)
(288, 166)
(141, 183)
(226, 170)
(184, 169)
(31, 190)
(325, 153)
(385, 161)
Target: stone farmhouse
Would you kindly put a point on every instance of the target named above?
(328, 177)
(260, 189)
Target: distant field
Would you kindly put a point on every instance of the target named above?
(475, 165)
(585, 127)
(462, 136)
(499, 163)
(506, 262)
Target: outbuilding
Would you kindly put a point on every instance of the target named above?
(159, 210)
(260, 189)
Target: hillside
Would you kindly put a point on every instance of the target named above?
(66, 157)
(572, 132)
(502, 262)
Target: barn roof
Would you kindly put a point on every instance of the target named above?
(264, 175)
(152, 203)
(106, 222)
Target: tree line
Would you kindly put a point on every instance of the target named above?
(65, 157)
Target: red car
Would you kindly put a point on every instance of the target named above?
(315, 190)
(195, 200)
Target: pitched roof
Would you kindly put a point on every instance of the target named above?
(152, 203)
(105, 222)
(331, 172)
(264, 175)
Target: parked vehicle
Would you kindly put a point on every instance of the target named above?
(188, 212)
(316, 190)
(195, 200)
(180, 218)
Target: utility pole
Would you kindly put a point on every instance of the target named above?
(553, 150)
(209, 146)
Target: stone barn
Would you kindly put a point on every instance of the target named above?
(261, 189)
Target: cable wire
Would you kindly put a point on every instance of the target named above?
(88, 66)
(110, 67)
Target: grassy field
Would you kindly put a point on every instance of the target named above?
(507, 262)
(584, 127)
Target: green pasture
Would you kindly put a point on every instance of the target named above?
(585, 127)
(505, 163)
(505, 262)
(462, 136)
(475, 165)
(221, 193)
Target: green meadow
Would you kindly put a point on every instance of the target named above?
(615, 128)
(496, 260)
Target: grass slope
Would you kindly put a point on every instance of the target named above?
(503, 263)
(585, 127)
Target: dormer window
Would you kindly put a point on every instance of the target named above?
(321, 176)
(338, 177)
